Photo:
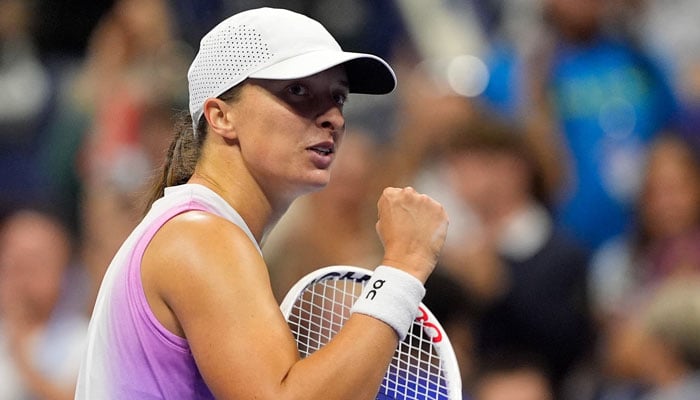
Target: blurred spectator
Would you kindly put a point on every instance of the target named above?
(527, 277)
(513, 377)
(110, 206)
(26, 91)
(456, 311)
(628, 269)
(670, 30)
(592, 101)
(127, 90)
(666, 241)
(42, 330)
(671, 347)
(24, 80)
(654, 349)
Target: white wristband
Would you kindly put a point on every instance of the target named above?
(391, 296)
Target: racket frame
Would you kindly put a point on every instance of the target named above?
(443, 347)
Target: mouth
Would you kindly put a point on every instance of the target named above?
(323, 149)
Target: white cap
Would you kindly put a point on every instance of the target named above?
(269, 43)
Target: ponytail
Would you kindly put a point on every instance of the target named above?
(183, 152)
(181, 158)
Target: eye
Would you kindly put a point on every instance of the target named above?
(340, 98)
(298, 89)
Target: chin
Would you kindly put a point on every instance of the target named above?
(317, 186)
(307, 187)
(301, 184)
(319, 179)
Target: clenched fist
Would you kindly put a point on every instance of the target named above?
(412, 228)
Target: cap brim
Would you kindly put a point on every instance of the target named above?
(367, 74)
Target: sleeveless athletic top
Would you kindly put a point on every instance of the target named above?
(129, 354)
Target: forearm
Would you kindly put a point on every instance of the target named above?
(266, 364)
(352, 365)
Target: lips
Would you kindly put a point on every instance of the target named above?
(322, 154)
(324, 149)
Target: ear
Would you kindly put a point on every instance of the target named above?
(220, 118)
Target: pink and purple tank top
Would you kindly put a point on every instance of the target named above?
(130, 355)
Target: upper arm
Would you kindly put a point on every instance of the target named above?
(216, 283)
(213, 279)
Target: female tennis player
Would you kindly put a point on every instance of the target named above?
(185, 310)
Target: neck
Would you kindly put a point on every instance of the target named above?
(222, 168)
(247, 199)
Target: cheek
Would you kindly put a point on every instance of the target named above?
(260, 138)
(264, 158)
(272, 151)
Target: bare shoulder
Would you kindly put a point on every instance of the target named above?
(196, 260)
(198, 242)
(197, 234)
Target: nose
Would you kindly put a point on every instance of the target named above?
(331, 119)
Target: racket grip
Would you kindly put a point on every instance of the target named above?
(391, 296)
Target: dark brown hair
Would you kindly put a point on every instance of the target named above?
(184, 151)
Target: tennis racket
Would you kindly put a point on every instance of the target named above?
(424, 365)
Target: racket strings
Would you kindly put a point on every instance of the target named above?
(320, 312)
(415, 371)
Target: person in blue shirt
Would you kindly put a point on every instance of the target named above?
(592, 102)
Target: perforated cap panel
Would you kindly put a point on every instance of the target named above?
(225, 58)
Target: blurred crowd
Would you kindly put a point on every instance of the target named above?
(562, 136)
